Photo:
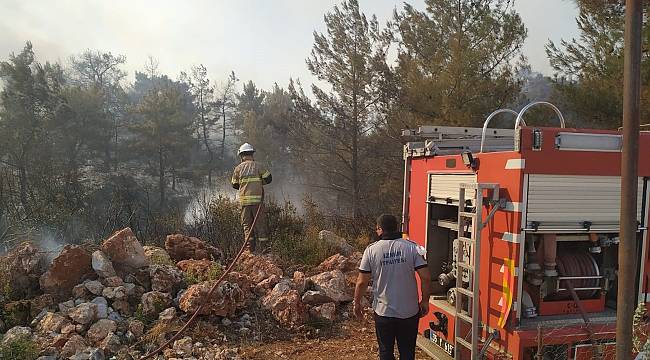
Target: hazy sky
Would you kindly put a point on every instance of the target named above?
(265, 41)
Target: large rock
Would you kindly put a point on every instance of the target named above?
(285, 305)
(102, 265)
(123, 307)
(326, 311)
(225, 301)
(154, 302)
(99, 330)
(140, 277)
(336, 241)
(85, 313)
(75, 344)
(244, 282)
(258, 268)
(22, 267)
(124, 250)
(113, 281)
(168, 314)
(115, 293)
(80, 292)
(181, 247)
(102, 307)
(267, 284)
(157, 255)
(333, 284)
(94, 287)
(70, 268)
(136, 327)
(52, 323)
(88, 354)
(111, 344)
(165, 278)
(299, 281)
(312, 297)
(183, 346)
(16, 333)
(65, 307)
(340, 262)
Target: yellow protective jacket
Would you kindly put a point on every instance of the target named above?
(249, 177)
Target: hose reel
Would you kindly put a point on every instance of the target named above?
(581, 269)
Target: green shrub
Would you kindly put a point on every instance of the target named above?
(221, 226)
(139, 315)
(16, 313)
(157, 259)
(294, 236)
(294, 240)
(194, 277)
(21, 348)
(149, 319)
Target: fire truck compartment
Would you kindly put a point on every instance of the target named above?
(520, 237)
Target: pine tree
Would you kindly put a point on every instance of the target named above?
(206, 118)
(334, 127)
(458, 60)
(163, 134)
(589, 70)
(29, 101)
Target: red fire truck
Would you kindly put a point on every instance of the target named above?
(521, 231)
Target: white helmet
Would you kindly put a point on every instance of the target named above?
(246, 147)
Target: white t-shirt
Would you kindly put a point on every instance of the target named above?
(392, 264)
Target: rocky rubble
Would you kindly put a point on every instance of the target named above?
(226, 300)
(181, 247)
(24, 266)
(98, 304)
(124, 250)
(73, 264)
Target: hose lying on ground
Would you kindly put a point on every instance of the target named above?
(207, 297)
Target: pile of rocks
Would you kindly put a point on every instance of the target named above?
(97, 304)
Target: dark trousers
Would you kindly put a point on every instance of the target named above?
(405, 331)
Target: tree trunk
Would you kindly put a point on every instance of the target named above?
(116, 139)
(206, 143)
(223, 129)
(23, 186)
(161, 177)
(107, 156)
(355, 157)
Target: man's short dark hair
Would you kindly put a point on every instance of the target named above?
(388, 223)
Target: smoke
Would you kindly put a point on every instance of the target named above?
(45, 239)
(281, 190)
(287, 190)
(50, 244)
(198, 207)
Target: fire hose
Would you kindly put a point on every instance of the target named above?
(581, 309)
(209, 294)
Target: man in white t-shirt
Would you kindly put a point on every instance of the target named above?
(391, 263)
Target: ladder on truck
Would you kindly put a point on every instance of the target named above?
(470, 222)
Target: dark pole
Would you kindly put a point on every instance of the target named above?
(627, 270)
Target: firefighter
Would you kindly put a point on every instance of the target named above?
(249, 177)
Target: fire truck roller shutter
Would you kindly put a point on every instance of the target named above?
(444, 188)
(576, 201)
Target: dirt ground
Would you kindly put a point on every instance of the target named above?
(352, 340)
